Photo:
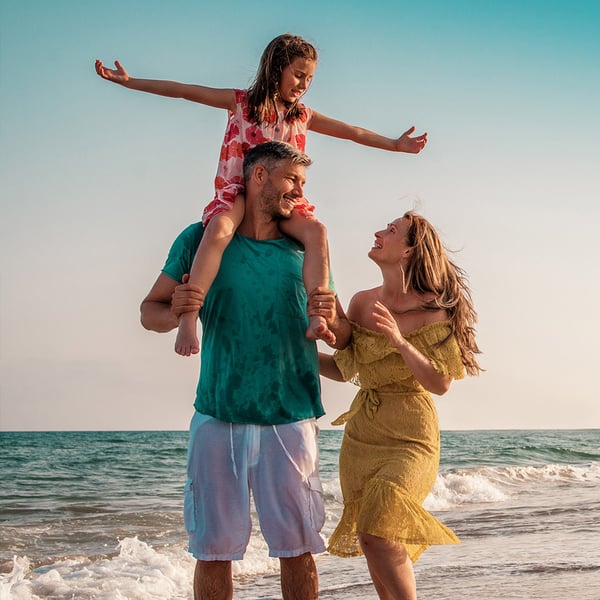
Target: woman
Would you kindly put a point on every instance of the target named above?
(406, 339)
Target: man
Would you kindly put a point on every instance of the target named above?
(258, 397)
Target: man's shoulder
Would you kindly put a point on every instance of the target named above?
(195, 230)
(183, 250)
(189, 238)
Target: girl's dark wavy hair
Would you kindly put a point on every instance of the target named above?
(263, 91)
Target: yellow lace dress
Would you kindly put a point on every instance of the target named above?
(390, 452)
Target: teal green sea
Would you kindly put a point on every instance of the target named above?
(98, 515)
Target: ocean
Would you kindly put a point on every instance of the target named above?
(99, 515)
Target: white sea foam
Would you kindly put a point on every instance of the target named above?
(496, 484)
(256, 560)
(138, 571)
(551, 472)
(455, 489)
(14, 585)
(484, 484)
(332, 490)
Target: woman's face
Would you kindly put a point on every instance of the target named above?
(391, 243)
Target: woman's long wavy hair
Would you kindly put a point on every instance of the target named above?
(264, 89)
(430, 270)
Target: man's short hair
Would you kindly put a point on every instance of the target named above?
(269, 154)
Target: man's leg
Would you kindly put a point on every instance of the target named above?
(299, 579)
(216, 504)
(212, 580)
(289, 502)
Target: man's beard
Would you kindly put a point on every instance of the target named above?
(272, 204)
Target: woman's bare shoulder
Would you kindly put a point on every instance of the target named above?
(362, 302)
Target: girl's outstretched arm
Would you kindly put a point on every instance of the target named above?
(405, 143)
(218, 98)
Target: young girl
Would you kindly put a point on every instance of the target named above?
(270, 109)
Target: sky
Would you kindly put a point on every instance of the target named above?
(97, 181)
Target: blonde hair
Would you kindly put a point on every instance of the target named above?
(430, 270)
(261, 94)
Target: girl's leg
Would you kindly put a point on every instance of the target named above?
(315, 271)
(390, 568)
(216, 237)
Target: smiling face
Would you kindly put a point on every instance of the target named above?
(391, 244)
(281, 189)
(296, 78)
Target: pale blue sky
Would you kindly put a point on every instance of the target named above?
(98, 180)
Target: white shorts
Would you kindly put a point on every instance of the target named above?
(278, 463)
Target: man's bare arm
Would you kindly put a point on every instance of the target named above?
(155, 310)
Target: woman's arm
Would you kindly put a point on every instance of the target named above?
(216, 97)
(328, 126)
(328, 368)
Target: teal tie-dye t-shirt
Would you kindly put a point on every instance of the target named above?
(256, 364)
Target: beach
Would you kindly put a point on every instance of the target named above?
(98, 515)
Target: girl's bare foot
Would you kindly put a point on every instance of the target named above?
(318, 330)
(187, 342)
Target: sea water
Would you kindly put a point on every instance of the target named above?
(99, 515)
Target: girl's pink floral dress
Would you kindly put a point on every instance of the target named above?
(240, 136)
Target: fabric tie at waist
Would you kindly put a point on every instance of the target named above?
(370, 398)
(365, 397)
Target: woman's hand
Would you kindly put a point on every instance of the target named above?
(387, 324)
(419, 365)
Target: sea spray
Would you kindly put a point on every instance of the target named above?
(455, 489)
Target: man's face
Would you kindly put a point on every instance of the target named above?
(284, 185)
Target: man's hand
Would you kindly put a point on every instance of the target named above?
(322, 302)
(186, 298)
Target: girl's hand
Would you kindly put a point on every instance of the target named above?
(387, 325)
(118, 75)
(412, 145)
